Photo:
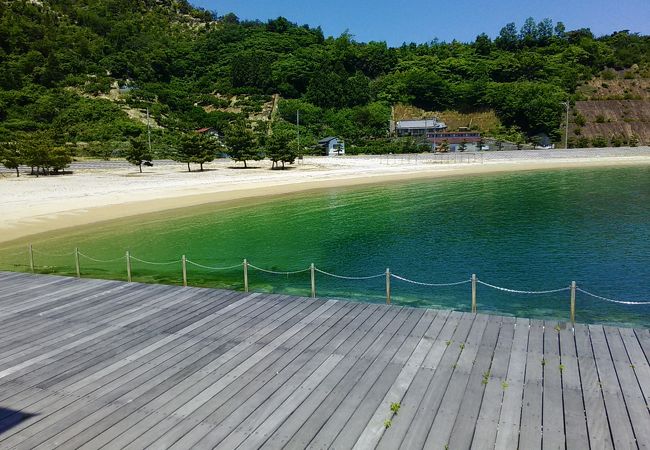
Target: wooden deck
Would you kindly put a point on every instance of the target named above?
(90, 364)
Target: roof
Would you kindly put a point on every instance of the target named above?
(327, 140)
(423, 123)
(204, 130)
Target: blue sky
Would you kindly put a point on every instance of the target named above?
(419, 21)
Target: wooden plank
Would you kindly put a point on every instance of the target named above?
(199, 388)
(486, 423)
(639, 361)
(374, 429)
(632, 394)
(299, 343)
(270, 396)
(463, 430)
(510, 415)
(530, 435)
(164, 387)
(575, 420)
(73, 348)
(617, 414)
(597, 424)
(415, 392)
(421, 424)
(553, 408)
(365, 393)
(459, 384)
(131, 365)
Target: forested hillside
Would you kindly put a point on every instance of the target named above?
(85, 71)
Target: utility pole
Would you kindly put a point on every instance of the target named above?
(148, 130)
(298, 131)
(566, 128)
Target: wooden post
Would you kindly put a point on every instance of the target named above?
(31, 258)
(312, 270)
(245, 275)
(76, 261)
(128, 266)
(388, 286)
(573, 302)
(184, 261)
(473, 292)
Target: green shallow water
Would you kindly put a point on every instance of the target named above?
(528, 231)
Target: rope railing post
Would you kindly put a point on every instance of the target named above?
(474, 293)
(245, 275)
(128, 266)
(76, 261)
(184, 264)
(573, 302)
(388, 286)
(31, 258)
(312, 270)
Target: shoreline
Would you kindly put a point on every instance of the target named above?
(30, 215)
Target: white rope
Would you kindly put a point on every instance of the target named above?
(419, 283)
(213, 268)
(279, 273)
(52, 255)
(102, 260)
(515, 291)
(349, 278)
(611, 300)
(156, 263)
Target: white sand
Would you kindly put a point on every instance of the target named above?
(32, 205)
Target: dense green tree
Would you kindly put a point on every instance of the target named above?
(508, 38)
(196, 148)
(63, 63)
(58, 159)
(241, 144)
(138, 152)
(483, 44)
(10, 156)
(34, 150)
(280, 147)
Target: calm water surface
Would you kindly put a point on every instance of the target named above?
(529, 231)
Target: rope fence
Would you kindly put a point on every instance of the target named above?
(313, 270)
(212, 268)
(515, 291)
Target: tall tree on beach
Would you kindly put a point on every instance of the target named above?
(10, 156)
(138, 152)
(281, 147)
(34, 150)
(196, 149)
(241, 144)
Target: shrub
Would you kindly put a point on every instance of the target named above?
(608, 74)
(599, 141)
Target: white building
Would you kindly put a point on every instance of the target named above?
(332, 146)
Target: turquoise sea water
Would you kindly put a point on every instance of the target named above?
(526, 231)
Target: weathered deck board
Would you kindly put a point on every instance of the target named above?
(94, 363)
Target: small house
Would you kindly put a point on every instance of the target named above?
(543, 141)
(419, 127)
(332, 146)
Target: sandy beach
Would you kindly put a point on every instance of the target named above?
(108, 191)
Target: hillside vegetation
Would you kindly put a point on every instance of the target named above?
(612, 109)
(84, 72)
